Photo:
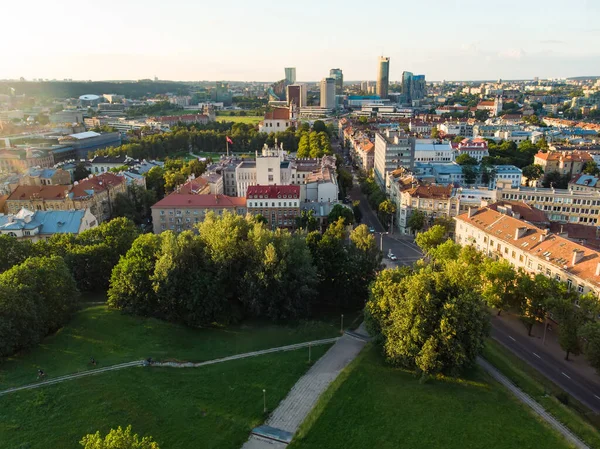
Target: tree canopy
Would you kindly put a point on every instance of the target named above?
(118, 439)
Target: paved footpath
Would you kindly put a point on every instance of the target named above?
(537, 408)
(285, 420)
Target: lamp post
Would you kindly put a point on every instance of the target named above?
(342, 324)
(381, 239)
(264, 401)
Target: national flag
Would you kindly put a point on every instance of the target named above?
(229, 140)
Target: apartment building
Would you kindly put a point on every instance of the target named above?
(564, 162)
(179, 212)
(530, 248)
(45, 177)
(560, 205)
(41, 225)
(476, 148)
(280, 205)
(393, 149)
(431, 150)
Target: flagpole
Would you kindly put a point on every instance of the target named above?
(227, 143)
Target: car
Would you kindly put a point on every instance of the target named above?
(371, 230)
(391, 256)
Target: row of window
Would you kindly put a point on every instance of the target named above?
(550, 199)
(279, 204)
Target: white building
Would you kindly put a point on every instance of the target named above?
(279, 119)
(327, 93)
(393, 149)
(431, 150)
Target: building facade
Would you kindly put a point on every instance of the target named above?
(327, 93)
(393, 149)
(383, 77)
(280, 205)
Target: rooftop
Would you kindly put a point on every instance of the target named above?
(188, 200)
(275, 191)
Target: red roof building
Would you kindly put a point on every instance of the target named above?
(280, 205)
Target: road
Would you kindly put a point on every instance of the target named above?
(559, 372)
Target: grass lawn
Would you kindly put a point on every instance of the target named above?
(112, 337)
(372, 405)
(582, 421)
(250, 119)
(210, 407)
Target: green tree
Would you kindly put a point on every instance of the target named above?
(469, 173)
(13, 251)
(307, 221)
(261, 219)
(155, 181)
(533, 303)
(118, 439)
(356, 211)
(533, 172)
(591, 168)
(465, 159)
(499, 288)
(319, 126)
(339, 211)
(590, 333)
(572, 318)
(303, 146)
(556, 180)
(482, 115)
(80, 172)
(416, 221)
(435, 132)
(432, 238)
(387, 209)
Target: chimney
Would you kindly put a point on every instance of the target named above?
(543, 235)
(472, 211)
(598, 269)
(520, 232)
(577, 256)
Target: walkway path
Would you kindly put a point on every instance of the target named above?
(169, 364)
(285, 420)
(537, 408)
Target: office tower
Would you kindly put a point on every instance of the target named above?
(383, 78)
(296, 94)
(338, 76)
(406, 82)
(328, 93)
(290, 75)
(413, 87)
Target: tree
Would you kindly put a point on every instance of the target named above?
(533, 301)
(339, 211)
(387, 209)
(572, 318)
(591, 168)
(465, 159)
(416, 221)
(307, 221)
(435, 132)
(303, 146)
(533, 172)
(590, 333)
(556, 180)
(261, 219)
(118, 439)
(319, 126)
(80, 172)
(13, 251)
(482, 115)
(429, 322)
(469, 173)
(446, 222)
(356, 211)
(344, 181)
(499, 285)
(155, 181)
(431, 238)
(458, 139)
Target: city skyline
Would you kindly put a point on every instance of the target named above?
(146, 39)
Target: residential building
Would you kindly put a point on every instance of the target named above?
(279, 119)
(527, 247)
(41, 225)
(476, 148)
(585, 183)
(328, 93)
(290, 75)
(18, 160)
(103, 164)
(45, 177)
(420, 127)
(432, 200)
(182, 211)
(516, 136)
(280, 205)
(67, 116)
(383, 77)
(560, 205)
(457, 128)
(564, 162)
(393, 149)
(96, 193)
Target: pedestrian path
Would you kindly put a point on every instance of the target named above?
(537, 408)
(93, 372)
(285, 420)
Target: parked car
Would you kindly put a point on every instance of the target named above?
(391, 256)
(371, 230)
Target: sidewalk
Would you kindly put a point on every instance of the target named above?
(285, 420)
(577, 363)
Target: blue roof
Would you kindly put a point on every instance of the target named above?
(587, 180)
(49, 222)
(364, 97)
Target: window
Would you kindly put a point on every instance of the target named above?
(513, 254)
(548, 272)
(580, 288)
(569, 284)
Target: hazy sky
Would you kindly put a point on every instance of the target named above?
(255, 40)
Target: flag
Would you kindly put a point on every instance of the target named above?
(229, 140)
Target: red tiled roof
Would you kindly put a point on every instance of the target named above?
(431, 191)
(3, 199)
(201, 201)
(97, 184)
(194, 185)
(23, 193)
(273, 191)
(278, 114)
(525, 211)
(572, 156)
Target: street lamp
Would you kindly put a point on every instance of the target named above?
(381, 239)
(264, 401)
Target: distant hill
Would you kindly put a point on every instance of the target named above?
(74, 89)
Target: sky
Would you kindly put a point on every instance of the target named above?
(254, 40)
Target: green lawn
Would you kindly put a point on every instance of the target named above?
(573, 414)
(250, 119)
(375, 406)
(210, 407)
(111, 337)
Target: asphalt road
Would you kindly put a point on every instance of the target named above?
(559, 372)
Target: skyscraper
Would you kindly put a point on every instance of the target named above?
(296, 94)
(338, 76)
(413, 87)
(383, 79)
(290, 75)
(328, 93)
